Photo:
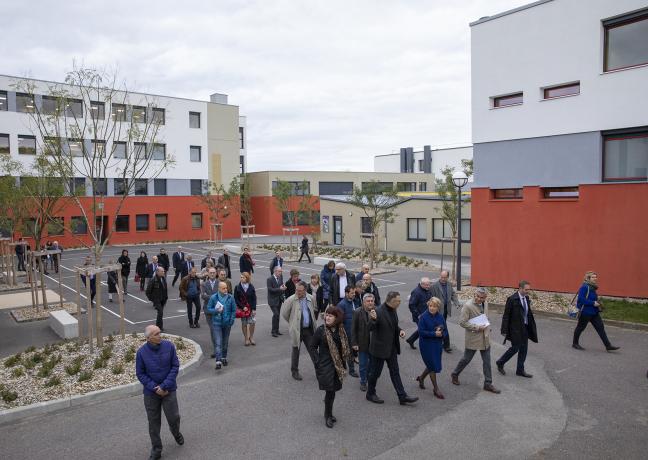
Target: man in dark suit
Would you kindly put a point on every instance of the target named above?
(152, 267)
(418, 305)
(203, 263)
(186, 266)
(370, 287)
(20, 253)
(384, 346)
(341, 279)
(276, 296)
(277, 261)
(208, 288)
(177, 259)
(518, 326)
(156, 292)
(444, 291)
(292, 283)
(225, 262)
(163, 257)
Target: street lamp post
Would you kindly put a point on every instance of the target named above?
(459, 179)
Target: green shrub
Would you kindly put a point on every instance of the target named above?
(117, 369)
(110, 338)
(44, 372)
(8, 396)
(106, 352)
(30, 349)
(36, 358)
(73, 368)
(492, 290)
(85, 376)
(54, 381)
(129, 356)
(99, 363)
(11, 361)
(28, 363)
(18, 372)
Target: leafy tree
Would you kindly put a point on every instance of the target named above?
(13, 203)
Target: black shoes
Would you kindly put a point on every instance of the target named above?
(274, 334)
(354, 374)
(411, 344)
(329, 422)
(196, 324)
(577, 346)
(296, 375)
(491, 388)
(455, 379)
(179, 439)
(213, 355)
(374, 399)
(363, 387)
(421, 382)
(500, 368)
(524, 374)
(408, 400)
(278, 333)
(611, 348)
(225, 363)
(191, 325)
(448, 350)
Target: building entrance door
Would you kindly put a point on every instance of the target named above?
(337, 230)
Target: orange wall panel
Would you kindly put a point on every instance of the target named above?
(268, 219)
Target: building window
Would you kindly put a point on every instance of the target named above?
(335, 188)
(118, 112)
(27, 145)
(97, 110)
(119, 150)
(441, 230)
(122, 224)
(379, 186)
(4, 143)
(196, 186)
(241, 137)
(287, 218)
(507, 194)
(51, 145)
(100, 187)
(571, 89)
(56, 226)
(50, 105)
(3, 101)
(142, 222)
(98, 148)
(297, 188)
(194, 119)
(406, 186)
(140, 150)
(365, 225)
(159, 151)
(141, 186)
(75, 147)
(625, 41)
(194, 153)
(138, 114)
(196, 220)
(422, 186)
(241, 164)
(74, 108)
(161, 221)
(120, 187)
(24, 103)
(506, 101)
(160, 186)
(416, 230)
(79, 225)
(560, 192)
(78, 186)
(158, 116)
(625, 157)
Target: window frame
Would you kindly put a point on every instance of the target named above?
(141, 228)
(140, 185)
(68, 147)
(123, 183)
(22, 148)
(166, 223)
(56, 223)
(141, 110)
(74, 224)
(45, 102)
(418, 228)
(569, 193)
(193, 147)
(241, 138)
(192, 183)
(157, 183)
(445, 225)
(121, 219)
(195, 215)
(499, 193)
(158, 113)
(20, 97)
(548, 89)
(114, 149)
(99, 181)
(4, 106)
(626, 134)
(96, 108)
(624, 20)
(8, 146)
(497, 100)
(155, 149)
(195, 114)
(114, 110)
(69, 112)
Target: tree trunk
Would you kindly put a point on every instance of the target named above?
(454, 258)
(98, 311)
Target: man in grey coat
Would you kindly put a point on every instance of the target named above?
(208, 288)
(444, 290)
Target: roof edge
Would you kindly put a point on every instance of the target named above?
(506, 13)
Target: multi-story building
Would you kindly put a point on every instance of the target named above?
(206, 139)
(560, 136)
(427, 160)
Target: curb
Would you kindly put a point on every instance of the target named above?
(129, 389)
(563, 317)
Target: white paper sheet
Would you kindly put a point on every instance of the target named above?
(481, 320)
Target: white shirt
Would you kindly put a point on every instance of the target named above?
(343, 284)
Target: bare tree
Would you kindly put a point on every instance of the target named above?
(307, 204)
(240, 201)
(219, 201)
(283, 193)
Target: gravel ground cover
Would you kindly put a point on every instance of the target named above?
(67, 368)
(34, 314)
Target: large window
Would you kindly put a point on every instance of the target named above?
(625, 157)
(335, 188)
(97, 110)
(140, 150)
(161, 221)
(365, 225)
(158, 116)
(299, 188)
(553, 92)
(74, 108)
(122, 223)
(303, 218)
(241, 137)
(120, 187)
(141, 222)
(27, 145)
(625, 41)
(78, 186)
(24, 103)
(196, 220)
(100, 187)
(509, 100)
(56, 226)
(379, 186)
(406, 186)
(441, 230)
(118, 112)
(196, 187)
(3, 101)
(50, 105)
(159, 151)
(194, 153)
(75, 147)
(119, 150)
(79, 225)
(98, 148)
(141, 186)
(416, 229)
(194, 119)
(507, 194)
(160, 186)
(4, 143)
(422, 186)
(139, 114)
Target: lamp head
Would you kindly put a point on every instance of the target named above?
(459, 179)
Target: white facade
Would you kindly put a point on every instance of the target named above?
(441, 158)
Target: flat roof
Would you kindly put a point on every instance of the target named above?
(433, 149)
(506, 13)
(336, 172)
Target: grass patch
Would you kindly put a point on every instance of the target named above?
(11, 361)
(117, 369)
(54, 381)
(85, 376)
(18, 372)
(622, 310)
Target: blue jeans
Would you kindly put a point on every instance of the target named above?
(221, 339)
(363, 358)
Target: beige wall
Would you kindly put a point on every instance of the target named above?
(223, 142)
(396, 231)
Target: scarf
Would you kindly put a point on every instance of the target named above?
(335, 354)
(589, 282)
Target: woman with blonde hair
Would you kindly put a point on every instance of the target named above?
(432, 329)
(589, 311)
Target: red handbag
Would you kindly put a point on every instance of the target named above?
(239, 311)
(137, 278)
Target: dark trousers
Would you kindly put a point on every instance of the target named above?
(275, 318)
(468, 356)
(375, 369)
(55, 262)
(520, 349)
(597, 322)
(175, 277)
(191, 303)
(446, 338)
(154, 405)
(329, 397)
(305, 337)
(304, 253)
(142, 282)
(21, 262)
(415, 335)
(160, 311)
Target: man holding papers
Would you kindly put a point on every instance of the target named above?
(474, 319)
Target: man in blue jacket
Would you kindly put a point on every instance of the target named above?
(348, 306)
(418, 305)
(157, 367)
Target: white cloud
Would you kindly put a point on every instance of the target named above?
(324, 84)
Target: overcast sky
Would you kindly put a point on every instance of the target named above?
(326, 85)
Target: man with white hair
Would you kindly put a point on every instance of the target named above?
(157, 366)
(341, 279)
(364, 270)
(418, 300)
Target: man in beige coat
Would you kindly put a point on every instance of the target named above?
(298, 311)
(477, 338)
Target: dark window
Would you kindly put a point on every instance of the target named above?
(625, 157)
(79, 225)
(50, 105)
(120, 187)
(74, 108)
(194, 119)
(416, 229)
(421, 167)
(140, 150)
(158, 116)
(422, 186)
(241, 164)
(122, 224)
(465, 230)
(161, 221)
(625, 41)
(79, 186)
(141, 222)
(194, 153)
(139, 114)
(379, 186)
(365, 225)
(297, 188)
(52, 145)
(118, 112)
(100, 187)
(24, 103)
(56, 226)
(98, 148)
(75, 147)
(97, 110)
(441, 230)
(4, 143)
(406, 186)
(308, 217)
(27, 145)
(560, 192)
(196, 187)
(160, 186)
(335, 188)
(287, 218)
(119, 150)
(571, 89)
(507, 194)
(505, 101)
(141, 186)
(159, 151)
(3, 101)
(196, 220)
(241, 137)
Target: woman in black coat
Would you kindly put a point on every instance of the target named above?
(125, 262)
(331, 349)
(140, 269)
(246, 264)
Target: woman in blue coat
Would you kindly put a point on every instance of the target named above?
(589, 312)
(432, 329)
(223, 310)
